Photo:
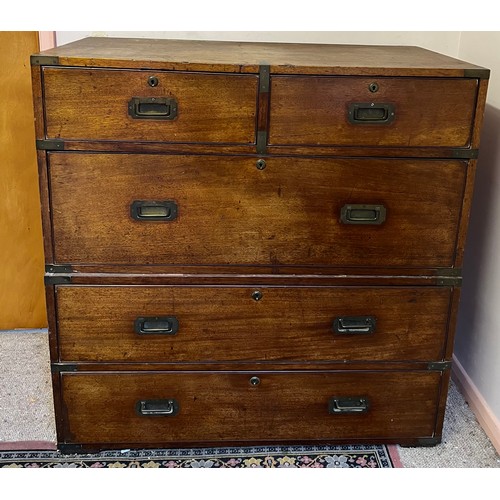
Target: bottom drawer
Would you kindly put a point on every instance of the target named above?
(146, 408)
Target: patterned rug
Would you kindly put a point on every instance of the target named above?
(355, 456)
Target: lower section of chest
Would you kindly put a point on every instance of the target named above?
(161, 408)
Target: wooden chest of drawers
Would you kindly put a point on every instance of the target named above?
(252, 243)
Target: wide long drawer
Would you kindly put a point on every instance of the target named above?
(158, 106)
(157, 408)
(371, 111)
(211, 210)
(266, 324)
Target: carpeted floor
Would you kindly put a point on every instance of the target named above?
(27, 418)
(26, 408)
(464, 442)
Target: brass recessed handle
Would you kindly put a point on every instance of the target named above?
(153, 108)
(164, 325)
(363, 214)
(154, 210)
(365, 113)
(157, 407)
(354, 325)
(348, 405)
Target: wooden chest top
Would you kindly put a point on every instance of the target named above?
(246, 57)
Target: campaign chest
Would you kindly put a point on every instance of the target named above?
(252, 243)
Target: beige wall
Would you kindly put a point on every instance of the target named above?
(445, 42)
(478, 336)
(22, 303)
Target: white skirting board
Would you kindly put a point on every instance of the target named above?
(486, 418)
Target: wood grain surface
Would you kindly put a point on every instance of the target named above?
(232, 213)
(226, 324)
(21, 250)
(427, 112)
(273, 223)
(204, 55)
(221, 406)
(93, 104)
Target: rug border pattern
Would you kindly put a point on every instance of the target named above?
(382, 454)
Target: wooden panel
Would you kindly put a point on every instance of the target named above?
(21, 251)
(101, 408)
(196, 55)
(237, 229)
(225, 323)
(93, 104)
(427, 112)
(95, 274)
(229, 212)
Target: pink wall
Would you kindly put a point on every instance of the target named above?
(47, 39)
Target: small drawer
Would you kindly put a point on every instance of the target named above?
(211, 210)
(179, 407)
(241, 324)
(149, 106)
(372, 111)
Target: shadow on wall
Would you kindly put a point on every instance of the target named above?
(480, 242)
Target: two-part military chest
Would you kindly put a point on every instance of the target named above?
(252, 242)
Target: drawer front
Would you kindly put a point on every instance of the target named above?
(226, 211)
(118, 105)
(344, 111)
(207, 406)
(210, 324)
